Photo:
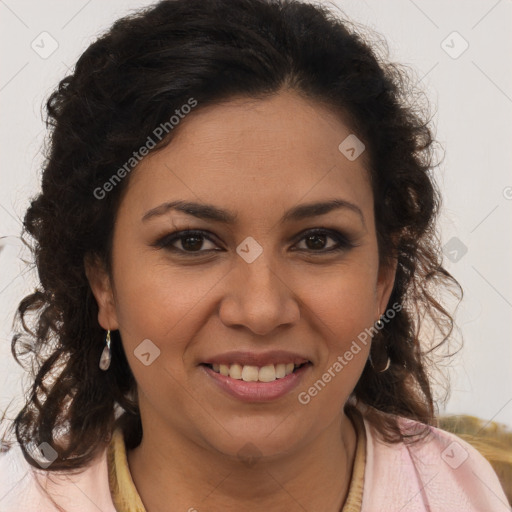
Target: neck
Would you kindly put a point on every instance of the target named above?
(169, 468)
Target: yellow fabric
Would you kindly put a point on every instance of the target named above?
(123, 491)
(354, 500)
(127, 499)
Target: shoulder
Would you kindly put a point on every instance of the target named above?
(436, 472)
(23, 487)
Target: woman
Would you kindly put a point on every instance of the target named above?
(236, 245)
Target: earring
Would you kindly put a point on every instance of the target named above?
(106, 355)
(388, 363)
(379, 324)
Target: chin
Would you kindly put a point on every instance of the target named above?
(252, 443)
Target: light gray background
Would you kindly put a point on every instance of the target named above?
(471, 94)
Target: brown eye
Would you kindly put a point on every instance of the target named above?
(190, 241)
(193, 242)
(317, 241)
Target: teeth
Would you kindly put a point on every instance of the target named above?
(280, 371)
(249, 373)
(235, 371)
(267, 373)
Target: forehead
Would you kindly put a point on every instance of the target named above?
(255, 155)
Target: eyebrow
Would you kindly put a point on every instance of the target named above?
(213, 213)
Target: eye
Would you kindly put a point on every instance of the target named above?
(191, 241)
(315, 240)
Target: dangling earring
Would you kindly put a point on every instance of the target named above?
(106, 355)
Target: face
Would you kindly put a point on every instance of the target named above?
(262, 282)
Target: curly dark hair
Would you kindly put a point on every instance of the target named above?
(132, 79)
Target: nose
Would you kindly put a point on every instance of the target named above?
(259, 298)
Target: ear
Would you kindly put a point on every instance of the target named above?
(385, 284)
(101, 287)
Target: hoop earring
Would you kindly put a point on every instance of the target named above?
(106, 355)
(388, 363)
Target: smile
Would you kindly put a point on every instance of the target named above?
(248, 383)
(249, 373)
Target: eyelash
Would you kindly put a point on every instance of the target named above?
(343, 242)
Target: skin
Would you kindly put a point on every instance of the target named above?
(258, 158)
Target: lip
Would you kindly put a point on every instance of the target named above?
(254, 359)
(257, 391)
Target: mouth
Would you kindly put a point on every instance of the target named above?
(251, 373)
(249, 383)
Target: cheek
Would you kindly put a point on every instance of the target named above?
(340, 311)
(159, 298)
(342, 307)
(344, 298)
(162, 302)
(156, 298)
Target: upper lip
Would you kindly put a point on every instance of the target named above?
(257, 359)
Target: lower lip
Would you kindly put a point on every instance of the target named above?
(258, 391)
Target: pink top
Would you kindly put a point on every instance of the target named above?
(441, 473)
